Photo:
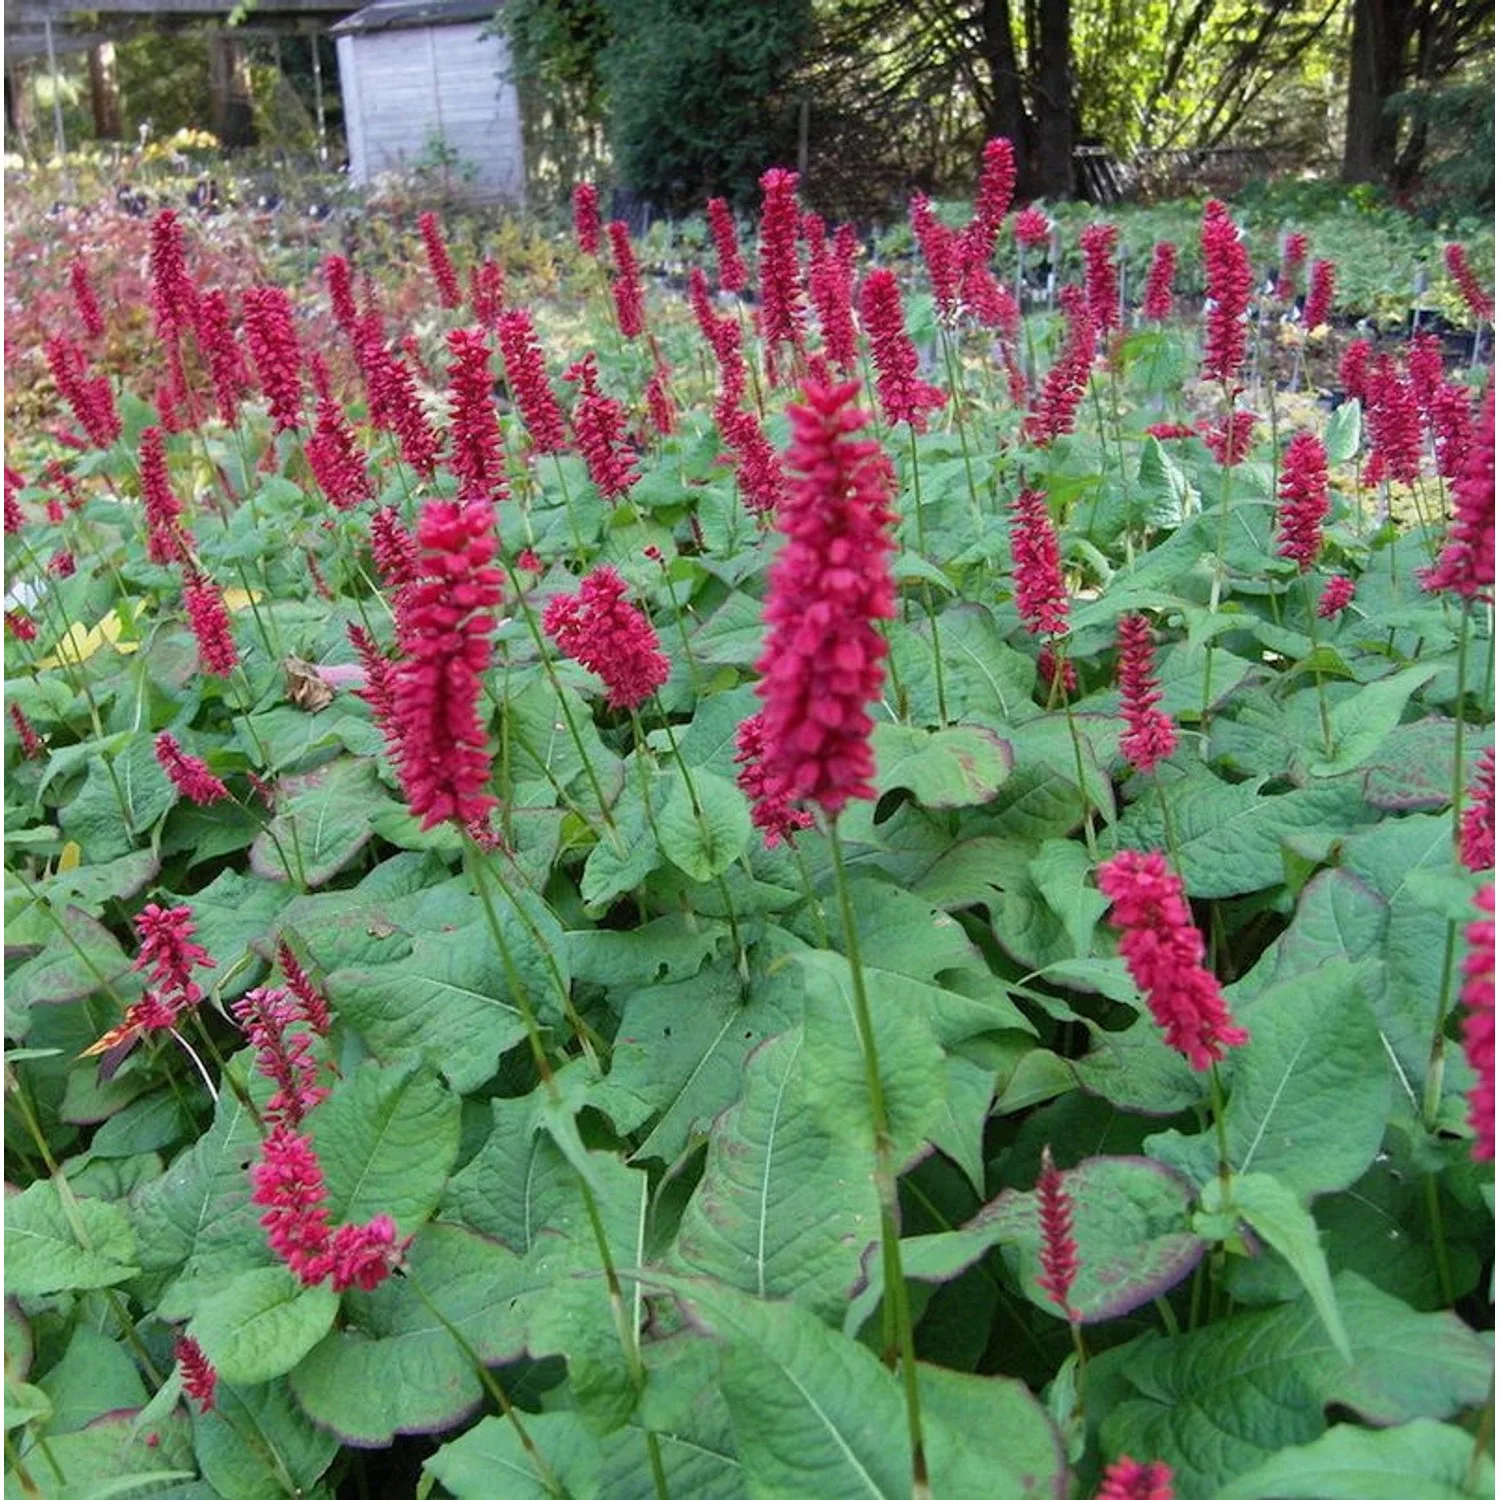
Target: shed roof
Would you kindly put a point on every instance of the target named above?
(405, 15)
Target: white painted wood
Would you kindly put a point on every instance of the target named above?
(403, 89)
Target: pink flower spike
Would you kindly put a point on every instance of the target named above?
(1337, 594)
(726, 246)
(439, 262)
(188, 774)
(1467, 564)
(1164, 952)
(1319, 301)
(630, 300)
(780, 284)
(199, 1378)
(1481, 304)
(1150, 736)
(1157, 303)
(526, 373)
(1125, 1479)
(478, 460)
(1036, 567)
(363, 1255)
(281, 1054)
(1059, 1251)
(904, 397)
(600, 629)
(1032, 228)
(1101, 277)
(209, 620)
(272, 336)
(1478, 999)
(1227, 265)
(1304, 500)
(587, 225)
(776, 818)
(84, 298)
(1476, 845)
(288, 1183)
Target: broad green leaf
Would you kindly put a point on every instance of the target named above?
(1360, 723)
(387, 1138)
(1130, 1218)
(95, 1376)
(54, 1246)
(670, 948)
(1271, 1209)
(450, 999)
(234, 917)
(984, 678)
(1308, 1095)
(1060, 871)
(112, 1458)
(489, 1460)
(962, 766)
(785, 1209)
(1169, 498)
(1421, 1460)
(1341, 434)
(395, 1367)
(1215, 1404)
(704, 842)
(733, 635)
(987, 1436)
(958, 1131)
(262, 1324)
(909, 1058)
(61, 972)
(322, 824)
(255, 1435)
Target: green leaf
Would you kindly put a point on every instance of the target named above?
(1341, 434)
(1360, 723)
(234, 916)
(1060, 871)
(785, 1208)
(1308, 1095)
(705, 846)
(962, 766)
(1169, 498)
(112, 1458)
(95, 1376)
(62, 972)
(54, 1246)
(396, 1367)
(450, 999)
(910, 1060)
(1131, 1222)
(983, 677)
(1421, 1460)
(680, 1052)
(489, 1460)
(262, 1324)
(255, 1435)
(387, 1138)
(1271, 1209)
(322, 824)
(1216, 1403)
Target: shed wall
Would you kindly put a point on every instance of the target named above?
(404, 88)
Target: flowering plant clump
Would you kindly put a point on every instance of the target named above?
(772, 860)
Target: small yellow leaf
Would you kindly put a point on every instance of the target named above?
(237, 599)
(70, 858)
(82, 641)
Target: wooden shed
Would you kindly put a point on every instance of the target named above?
(422, 84)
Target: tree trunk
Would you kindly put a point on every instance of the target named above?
(1005, 108)
(230, 110)
(18, 112)
(104, 92)
(1377, 69)
(1053, 93)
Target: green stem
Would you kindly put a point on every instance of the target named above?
(1439, 1239)
(955, 396)
(937, 645)
(1221, 1137)
(1223, 541)
(1312, 635)
(885, 1177)
(1083, 790)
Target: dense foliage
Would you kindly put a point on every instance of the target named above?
(876, 885)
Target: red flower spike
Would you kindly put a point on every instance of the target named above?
(1036, 566)
(776, 818)
(1319, 301)
(602, 630)
(221, 351)
(393, 402)
(1293, 258)
(379, 690)
(1481, 304)
(1451, 419)
(272, 336)
(487, 292)
(313, 1002)
(726, 246)
(941, 252)
(1032, 228)
(446, 618)
(477, 460)
(823, 663)
(168, 950)
(1424, 368)
(587, 225)
(1056, 404)
(90, 397)
(1476, 843)
(1227, 266)
(62, 564)
(1354, 368)
(904, 397)
(992, 198)
(659, 404)
(1467, 564)
(1164, 952)
(630, 300)
(1101, 276)
(1395, 426)
(33, 747)
(1157, 303)
(780, 284)
(288, 1183)
(762, 483)
(15, 517)
(173, 295)
(1304, 500)
(163, 510)
(1125, 1479)
(209, 621)
(1149, 733)
(526, 375)
(1230, 445)
(599, 427)
(439, 262)
(334, 455)
(1336, 597)
(188, 773)
(1478, 1000)
(394, 548)
(199, 1378)
(338, 275)
(1048, 666)
(1170, 432)
(84, 300)
(830, 281)
(1059, 1249)
(21, 626)
(281, 1054)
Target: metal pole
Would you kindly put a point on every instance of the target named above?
(318, 101)
(57, 120)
